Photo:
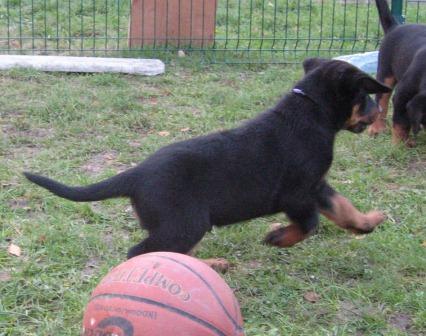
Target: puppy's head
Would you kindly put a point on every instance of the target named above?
(347, 89)
(416, 110)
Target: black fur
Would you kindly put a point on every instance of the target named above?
(402, 56)
(272, 163)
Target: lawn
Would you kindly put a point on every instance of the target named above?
(83, 128)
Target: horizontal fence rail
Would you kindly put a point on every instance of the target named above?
(233, 31)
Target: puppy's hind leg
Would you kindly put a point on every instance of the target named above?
(171, 235)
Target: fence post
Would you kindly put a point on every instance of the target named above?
(397, 10)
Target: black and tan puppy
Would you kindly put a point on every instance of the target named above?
(402, 60)
(276, 162)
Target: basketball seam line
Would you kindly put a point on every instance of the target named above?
(162, 305)
(238, 327)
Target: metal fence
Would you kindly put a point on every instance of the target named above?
(247, 31)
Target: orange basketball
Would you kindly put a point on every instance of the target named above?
(162, 294)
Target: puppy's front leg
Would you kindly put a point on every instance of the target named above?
(341, 211)
(401, 123)
(303, 220)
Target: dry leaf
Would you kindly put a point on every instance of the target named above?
(186, 129)
(311, 297)
(109, 157)
(164, 133)
(5, 276)
(42, 239)
(359, 237)
(424, 243)
(134, 144)
(14, 250)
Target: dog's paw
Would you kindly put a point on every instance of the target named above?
(219, 264)
(275, 237)
(369, 222)
(411, 143)
(375, 217)
(379, 126)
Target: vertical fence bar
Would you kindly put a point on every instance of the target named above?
(309, 27)
(397, 10)
(345, 6)
(20, 24)
(118, 25)
(45, 25)
(93, 27)
(191, 11)
(106, 24)
(286, 29)
(32, 28)
(239, 24)
(69, 26)
(81, 27)
(274, 29)
(297, 28)
(332, 27)
(167, 24)
(262, 34)
(57, 25)
(8, 26)
(226, 26)
(250, 28)
(321, 28)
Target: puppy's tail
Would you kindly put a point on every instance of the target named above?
(386, 18)
(120, 185)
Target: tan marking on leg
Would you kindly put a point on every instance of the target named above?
(400, 134)
(379, 125)
(218, 264)
(345, 215)
(285, 236)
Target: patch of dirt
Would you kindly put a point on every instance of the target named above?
(5, 276)
(416, 167)
(28, 151)
(31, 133)
(99, 162)
(22, 139)
(254, 264)
(91, 267)
(401, 321)
(348, 312)
(19, 203)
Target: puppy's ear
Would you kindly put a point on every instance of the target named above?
(370, 85)
(310, 64)
(415, 109)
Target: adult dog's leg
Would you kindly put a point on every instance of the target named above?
(341, 211)
(303, 221)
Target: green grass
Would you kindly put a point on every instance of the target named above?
(82, 128)
(246, 30)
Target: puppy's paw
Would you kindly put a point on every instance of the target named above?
(379, 126)
(369, 222)
(218, 264)
(410, 143)
(276, 237)
(375, 218)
